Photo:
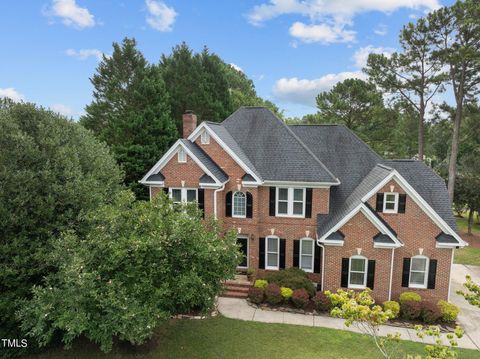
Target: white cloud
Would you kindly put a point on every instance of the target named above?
(360, 56)
(61, 109)
(304, 91)
(161, 17)
(12, 94)
(322, 33)
(329, 18)
(84, 54)
(71, 14)
(236, 67)
(381, 30)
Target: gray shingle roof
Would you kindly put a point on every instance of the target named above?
(273, 149)
(206, 179)
(336, 236)
(206, 160)
(157, 177)
(445, 238)
(382, 238)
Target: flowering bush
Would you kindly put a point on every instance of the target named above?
(449, 311)
(410, 296)
(273, 295)
(392, 306)
(410, 309)
(256, 295)
(261, 283)
(286, 293)
(430, 313)
(322, 302)
(300, 298)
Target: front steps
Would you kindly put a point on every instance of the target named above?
(237, 288)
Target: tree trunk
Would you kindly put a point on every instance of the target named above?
(452, 166)
(470, 221)
(421, 131)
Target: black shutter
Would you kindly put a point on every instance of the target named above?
(271, 210)
(432, 274)
(296, 253)
(406, 272)
(379, 202)
(165, 190)
(344, 281)
(402, 199)
(228, 204)
(308, 203)
(316, 258)
(201, 201)
(249, 205)
(282, 254)
(261, 253)
(371, 274)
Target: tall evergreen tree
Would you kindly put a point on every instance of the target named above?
(414, 74)
(456, 36)
(131, 112)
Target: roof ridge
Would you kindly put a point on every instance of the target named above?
(384, 166)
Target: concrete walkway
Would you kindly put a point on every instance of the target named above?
(239, 309)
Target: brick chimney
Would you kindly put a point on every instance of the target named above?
(189, 123)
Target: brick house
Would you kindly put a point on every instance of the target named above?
(318, 198)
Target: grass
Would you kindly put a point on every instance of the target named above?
(221, 337)
(462, 224)
(469, 255)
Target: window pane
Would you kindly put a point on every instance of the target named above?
(357, 278)
(272, 245)
(239, 204)
(418, 264)
(176, 195)
(272, 260)
(282, 207)
(297, 208)
(417, 278)
(306, 262)
(390, 197)
(283, 194)
(307, 247)
(298, 194)
(358, 265)
(389, 205)
(191, 195)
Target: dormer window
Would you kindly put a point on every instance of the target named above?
(390, 202)
(182, 156)
(205, 138)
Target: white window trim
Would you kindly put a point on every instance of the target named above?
(290, 202)
(300, 254)
(425, 279)
(358, 286)
(385, 210)
(181, 155)
(205, 138)
(277, 267)
(183, 191)
(233, 205)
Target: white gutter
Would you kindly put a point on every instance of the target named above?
(215, 199)
(391, 275)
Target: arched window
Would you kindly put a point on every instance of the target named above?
(357, 274)
(239, 208)
(418, 272)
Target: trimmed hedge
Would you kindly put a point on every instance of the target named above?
(286, 293)
(322, 302)
(293, 278)
(410, 309)
(431, 313)
(448, 310)
(410, 296)
(300, 298)
(261, 283)
(273, 294)
(393, 306)
(256, 295)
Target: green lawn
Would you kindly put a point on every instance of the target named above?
(228, 338)
(468, 255)
(462, 224)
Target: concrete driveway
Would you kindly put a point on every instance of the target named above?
(469, 317)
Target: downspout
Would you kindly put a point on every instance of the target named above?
(450, 277)
(391, 275)
(215, 199)
(323, 262)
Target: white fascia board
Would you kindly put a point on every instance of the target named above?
(154, 183)
(250, 184)
(168, 156)
(204, 125)
(386, 245)
(300, 184)
(450, 245)
(402, 182)
(210, 185)
(330, 243)
(376, 222)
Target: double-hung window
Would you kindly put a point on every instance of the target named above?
(290, 202)
(357, 274)
(272, 252)
(306, 254)
(180, 195)
(390, 202)
(418, 272)
(239, 208)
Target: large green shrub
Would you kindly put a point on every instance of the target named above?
(410, 296)
(51, 171)
(449, 311)
(393, 306)
(139, 263)
(294, 278)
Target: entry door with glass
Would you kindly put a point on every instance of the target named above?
(243, 244)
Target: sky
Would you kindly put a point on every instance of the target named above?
(291, 49)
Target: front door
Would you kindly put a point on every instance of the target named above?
(243, 244)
